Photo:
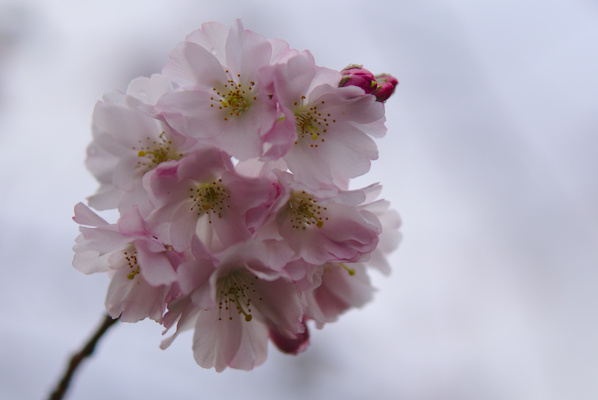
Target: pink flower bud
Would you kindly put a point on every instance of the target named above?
(386, 85)
(382, 86)
(288, 345)
(356, 75)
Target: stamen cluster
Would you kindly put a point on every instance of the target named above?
(209, 198)
(234, 296)
(153, 151)
(304, 211)
(231, 178)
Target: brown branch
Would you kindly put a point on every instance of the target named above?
(80, 356)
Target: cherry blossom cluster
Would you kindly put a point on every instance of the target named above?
(230, 172)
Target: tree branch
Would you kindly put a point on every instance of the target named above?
(80, 356)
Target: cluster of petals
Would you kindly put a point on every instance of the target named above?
(230, 172)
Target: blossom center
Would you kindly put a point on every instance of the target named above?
(234, 98)
(209, 198)
(234, 293)
(131, 259)
(310, 123)
(305, 211)
(154, 151)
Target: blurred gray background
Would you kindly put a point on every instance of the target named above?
(490, 158)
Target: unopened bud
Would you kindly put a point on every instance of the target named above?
(356, 75)
(382, 86)
(385, 86)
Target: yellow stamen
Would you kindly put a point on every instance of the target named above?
(234, 290)
(155, 151)
(234, 98)
(349, 270)
(209, 198)
(305, 211)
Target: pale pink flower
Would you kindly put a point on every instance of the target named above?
(202, 195)
(142, 269)
(343, 286)
(127, 143)
(233, 300)
(330, 289)
(323, 225)
(389, 238)
(324, 134)
(219, 99)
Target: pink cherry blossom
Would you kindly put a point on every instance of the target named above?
(389, 238)
(324, 136)
(322, 225)
(236, 297)
(202, 195)
(219, 99)
(127, 143)
(142, 269)
(343, 286)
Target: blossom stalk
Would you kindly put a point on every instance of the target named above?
(76, 359)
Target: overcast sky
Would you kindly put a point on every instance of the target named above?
(490, 158)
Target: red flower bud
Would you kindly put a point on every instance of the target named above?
(386, 85)
(356, 75)
(382, 86)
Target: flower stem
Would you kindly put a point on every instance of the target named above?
(76, 359)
